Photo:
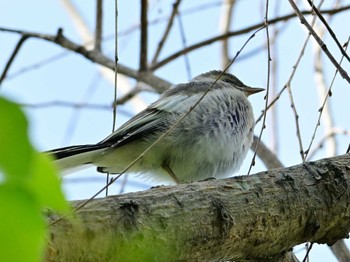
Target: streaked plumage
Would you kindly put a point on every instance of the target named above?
(211, 141)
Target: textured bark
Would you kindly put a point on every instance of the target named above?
(257, 217)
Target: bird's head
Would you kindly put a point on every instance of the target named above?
(228, 78)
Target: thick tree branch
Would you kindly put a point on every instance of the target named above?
(257, 217)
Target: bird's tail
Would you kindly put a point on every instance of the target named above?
(73, 157)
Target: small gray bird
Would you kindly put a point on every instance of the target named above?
(211, 141)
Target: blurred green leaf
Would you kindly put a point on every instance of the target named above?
(22, 227)
(16, 151)
(29, 185)
(45, 184)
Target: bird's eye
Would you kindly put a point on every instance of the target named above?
(227, 80)
(233, 81)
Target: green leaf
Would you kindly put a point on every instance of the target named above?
(45, 184)
(16, 151)
(29, 185)
(22, 227)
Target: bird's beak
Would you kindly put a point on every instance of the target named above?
(252, 90)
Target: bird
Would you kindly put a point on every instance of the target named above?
(211, 141)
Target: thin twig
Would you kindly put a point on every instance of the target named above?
(116, 67)
(115, 93)
(184, 44)
(83, 29)
(323, 95)
(296, 119)
(59, 103)
(166, 32)
(71, 126)
(331, 134)
(324, 106)
(144, 36)
(274, 127)
(126, 97)
(224, 28)
(79, 22)
(97, 57)
(218, 3)
(266, 19)
(266, 155)
(37, 65)
(122, 100)
(12, 57)
(296, 116)
(159, 84)
(331, 32)
(158, 20)
(342, 72)
(99, 24)
(307, 252)
(294, 68)
(261, 47)
(235, 33)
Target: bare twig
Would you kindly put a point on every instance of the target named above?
(325, 107)
(274, 83)
(235, 33)
(37, 65)
(323, 94)
(296, 116)
(144, 36)
(202, 7)
(296, 119)
(67, 104)
(189, 11)
(268, 157)
(184, 44)
(224, 28)
(266, 19)
(159, 84)
(295, 66)
(115, 93)
(126, 97)
(88, 37)
(99, 19)
(342, 72)
(166, 32)
(79, 23)
(91, 106)
(97, 57)
(331, 32)
(116, 70)
(23, 38)
(307, 253)
(261, 47)
(333, 133)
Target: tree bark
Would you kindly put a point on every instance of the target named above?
(258, 217)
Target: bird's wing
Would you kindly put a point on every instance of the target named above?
(158, 117)
(138, 127)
